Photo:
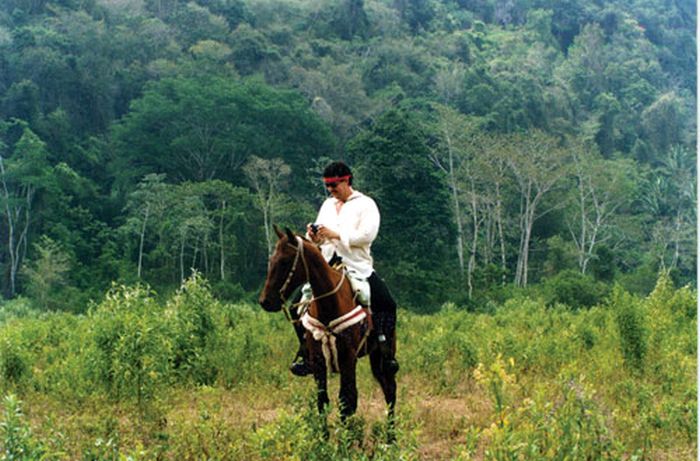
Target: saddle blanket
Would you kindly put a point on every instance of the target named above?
(327, 333)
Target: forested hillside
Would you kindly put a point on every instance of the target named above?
(508, 143)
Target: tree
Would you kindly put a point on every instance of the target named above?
(190, 227)
(417, 14)
(266, 177)
(22, 175)
(147, 204)
(454, 133)
(492, 167)
(337, 95)
(458, 156)
(413, 248)
(206, 128)
(47, 271)
(669, 197)
(603, 187)
(350, 20)
(225, 206)
(539, 163)
(195, 23)
(21, 101)
(666, 122)
(252, 51)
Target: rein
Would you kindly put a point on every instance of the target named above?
(300, 256)
(320, 332)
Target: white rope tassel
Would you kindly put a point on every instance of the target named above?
(326, 334)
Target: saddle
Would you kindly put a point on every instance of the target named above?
(360, 286)
(362, 315)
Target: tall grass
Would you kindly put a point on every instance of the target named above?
(191, 378)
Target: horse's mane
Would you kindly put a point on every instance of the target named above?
(311, 248)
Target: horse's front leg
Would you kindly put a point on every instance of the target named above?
(318, 364)
(348, 385)
(322, 400)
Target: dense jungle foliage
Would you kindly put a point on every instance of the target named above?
(533, 161)
(506, 142)
(191, 378)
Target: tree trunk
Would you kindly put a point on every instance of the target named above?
(526, 252)
(526, 221)
(205, 253)
(10, 228)
(475, 239)
(222, 266)
(582, 236)
(266, 223)
(501, 237)
(195, 252)
(142, 238)
(182, 258)
(455, 199)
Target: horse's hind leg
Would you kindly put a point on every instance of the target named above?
(388, 383)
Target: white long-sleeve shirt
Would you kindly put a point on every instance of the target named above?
(357, 223)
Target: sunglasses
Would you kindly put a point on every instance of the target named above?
(332, 185)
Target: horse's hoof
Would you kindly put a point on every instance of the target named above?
(300, 369)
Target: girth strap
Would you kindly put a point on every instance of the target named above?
(327, 334)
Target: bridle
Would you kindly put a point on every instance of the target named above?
(299, 255)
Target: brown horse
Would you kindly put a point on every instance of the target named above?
(297, 261)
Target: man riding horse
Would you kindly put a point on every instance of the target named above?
(346, 225)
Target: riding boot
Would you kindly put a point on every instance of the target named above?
(299, 366)
(385, 322)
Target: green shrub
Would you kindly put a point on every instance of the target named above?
(573, 289)
(303, 434)
(587, 335)
(207, 431)
(667, 298)
(13, 361)
(16, 309)
(16, 439)
(132, 343)
(631, 324)
(190, 311)
(641, 280)
(227, 291)
(551, 385)
(603, 266)
(244, 343)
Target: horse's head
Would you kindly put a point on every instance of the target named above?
(285, 271)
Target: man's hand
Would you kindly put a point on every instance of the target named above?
(322, 233)
(312, 230)
(327, 234)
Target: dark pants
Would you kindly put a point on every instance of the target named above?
(383, 306)
(383, 312)
(381, 298)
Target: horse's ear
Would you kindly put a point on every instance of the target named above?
(278, 231)
(290, 236)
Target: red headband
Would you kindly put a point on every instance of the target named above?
(337, 179)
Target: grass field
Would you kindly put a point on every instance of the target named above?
(194, 379)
